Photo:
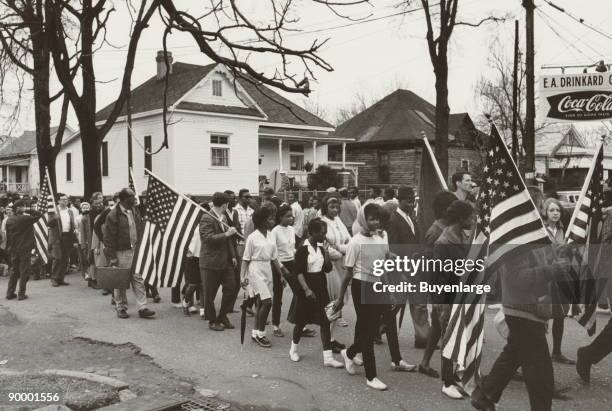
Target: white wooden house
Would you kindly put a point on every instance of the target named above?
(221, 136)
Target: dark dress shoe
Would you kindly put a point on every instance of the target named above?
(22, 297)
(156, 299)
(428, 371)
(122, 314)
(562, 359)
(481, 402)
(583, 366)
(11, 296)
(226, 323)
(146, 313)
(54, 283)
(216, 326)
(106, 292)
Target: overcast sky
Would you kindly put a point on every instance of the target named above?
(374, 57)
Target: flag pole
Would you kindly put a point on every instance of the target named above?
(434, 161)
(51, 189)
(131, 177)
(183, 196)
(585, 187)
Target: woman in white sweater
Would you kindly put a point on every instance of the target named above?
(337, 238)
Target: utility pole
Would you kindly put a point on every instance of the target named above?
(515, 108)
(129, 132)
(529, 137)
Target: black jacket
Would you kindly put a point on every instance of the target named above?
(20, 232)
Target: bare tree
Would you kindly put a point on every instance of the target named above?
(218, 29)
(440, 26)
(495, 92)
(25, 52)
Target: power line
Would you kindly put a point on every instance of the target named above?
(569, 43)
(578, 19)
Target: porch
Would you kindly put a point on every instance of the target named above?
(287, 156)
(14, 176)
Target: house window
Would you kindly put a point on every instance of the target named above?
(148, 158)
(384, 175)
(296, 157)
(104, 159)
(216, 88)
(18, 174)
(219, 150)
(465, 164)
(68, 166)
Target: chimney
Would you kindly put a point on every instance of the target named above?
(161, 64)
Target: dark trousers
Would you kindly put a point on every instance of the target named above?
(192, 278)
(211, 281)
(526, 348)
(277, 297)
(366, 328)
(60, 265)
(601, 346)
(20, 271)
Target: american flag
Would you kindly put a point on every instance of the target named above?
(582, 231)
(507, 222)
(169, 223)
(132, 185)
(41, 231)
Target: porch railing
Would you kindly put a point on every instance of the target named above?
(21, 188)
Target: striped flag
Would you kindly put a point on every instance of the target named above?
(582, 232)
(507, 224)
(41, 231)
(132, 185)
(170, 220)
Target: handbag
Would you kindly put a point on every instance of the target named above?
(329, 312)
(110, 278)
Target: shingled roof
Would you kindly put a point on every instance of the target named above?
(24, 144)
(149, 96)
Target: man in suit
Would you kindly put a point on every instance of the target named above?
(62, 238)
(403, 237)
(217, 263)
(20, 242)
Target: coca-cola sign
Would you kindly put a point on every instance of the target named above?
(576, 97)
(581, 105)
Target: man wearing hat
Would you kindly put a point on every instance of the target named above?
(20, 242)
(403, 240)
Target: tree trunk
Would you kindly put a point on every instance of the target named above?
(442, 112)
(92, 169)
(42, 102)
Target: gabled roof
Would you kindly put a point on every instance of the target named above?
(149, 96)
(558, 137)
(24, 144)
(400, 116)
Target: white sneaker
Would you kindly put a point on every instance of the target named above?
(177, 305)
(330, 361)
(193, 309)
(293, 355)
(403, 366)
(452, 392)
(358, 360)
(376, 384)
(348, 363)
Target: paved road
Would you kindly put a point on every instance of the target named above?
(266, 377)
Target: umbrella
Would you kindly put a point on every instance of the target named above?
(401, 317)
(246, 303)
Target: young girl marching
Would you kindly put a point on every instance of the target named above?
(260, 257)
(368, 245)
(283, 235)
(311, 264)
